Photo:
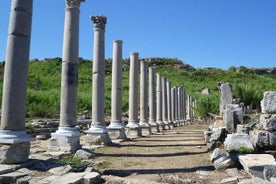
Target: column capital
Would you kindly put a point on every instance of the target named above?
(99, 21)
(73, 3)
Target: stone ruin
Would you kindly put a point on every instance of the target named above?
(252, 145)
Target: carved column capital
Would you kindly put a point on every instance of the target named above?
(73, 3)
(99, 21)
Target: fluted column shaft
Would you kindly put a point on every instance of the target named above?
(173, 104)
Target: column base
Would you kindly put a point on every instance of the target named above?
(161, 125)
(14, 146)
(167, 125)
(145, 128)
(133, 130)
(65, 139)
(176, 122)
(98, 135)
(154, 127)
(117, 131)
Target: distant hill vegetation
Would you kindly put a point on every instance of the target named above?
(44, 79)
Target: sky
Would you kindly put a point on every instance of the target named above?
(201, 33)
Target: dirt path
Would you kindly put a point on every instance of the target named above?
(177, 154)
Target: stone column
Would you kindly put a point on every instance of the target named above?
(98, 128)
(179, 105)
(165, 103)
(14, 142)
(169, 104)
(176, 106)
(173, 105)
(146, 129)
(116, 129)
(152, 101)
(133, 128)
(67, 137)
(159, 102)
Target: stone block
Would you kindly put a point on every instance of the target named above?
(223, 162)
(254, 163)
(14, 153)
(84, 154)
(260, 139)
(133, 132)
(116, 133)
(269, 171)
(218, 135)
(241, 129)
(268, 103)
(233, 115)
(268, 122)
(235, 141)
(92, 178)
(254, 180)
(70, 178)
(207, 136)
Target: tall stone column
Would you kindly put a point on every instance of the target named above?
(14, 142)
(98, 128)
(159, 103)
(144, 124)
(133, 127)
(176, 106)
(67, 137)
(152, 101)
(173, 105)
(169, 104)
(165, 103)
(116, 129)
(179, 105)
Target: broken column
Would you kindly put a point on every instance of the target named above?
(67, 137)
(159, 102)
(165, 103)
(152, 101)
(263, 135)
(14, 142)
(226, 96)
(116, 129)
(133, 128)
(98, 130)
(144, 124)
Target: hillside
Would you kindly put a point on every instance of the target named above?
(44, 84)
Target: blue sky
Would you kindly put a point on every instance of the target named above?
(202, 33)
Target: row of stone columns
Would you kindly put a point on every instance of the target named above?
(163, 108)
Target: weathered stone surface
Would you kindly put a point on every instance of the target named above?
(235, 141)
(70, 178)
(92, 178)
(232, 180)
(268, 103)
(216, 153)
(254, 163)
(61, 170)
(226, 96)
(14, 153)
(13, 176)
(207, 136)
(241, 129)
(205, 91)
(219, 135)
(269, 171)
(223, 162)
(254, 180)
(268, 122)
(260, 139)
(84, 154)
(7, 168)
(233, 115)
